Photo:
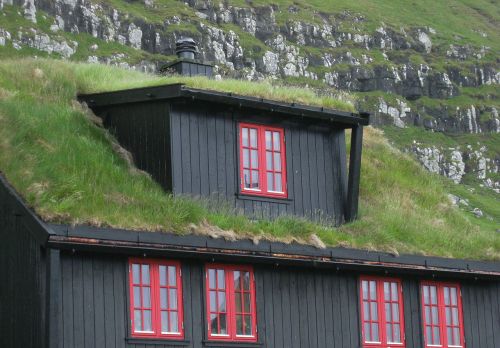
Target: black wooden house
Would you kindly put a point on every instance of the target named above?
(82, 286)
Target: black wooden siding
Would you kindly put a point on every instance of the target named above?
(297, 308)
(22, 280)
(205, 154)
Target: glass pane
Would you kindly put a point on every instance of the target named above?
(145, 274)
(428, 334)
(246, 281)
(255, 179)
(269, 160)
(248, 325)
(254, 158)
(163, 298)
(366, 311)
(373, 290)
(394, 291)
(146, 297)
(147, 321)
(246, 299)
(279, 185)
(213, 301)
(428, 318)
(397, 333)
(388, 312)
(137, 297)
(268, 140)
(437, 338)
(387, 293)
(246, 158)
(446, 292)
(237, 299)
(237, 280)
(276, 141)
(374, 311)
(454, 296)
(395, 312)
(174, 322)
(221, 281)
(222, 302)
(388, 329)
(449, 335)
(426, 294)
(173, 298)
(244, 136)
(435, 319)
(223, 324)
(455, 316)
(447, 312)
(270, 182)
(137, 320)
(364, 287)
(433, 295)
(253, 137)
(164, 321)
(277, 161)
(375, 332)
(213, 324)
(456, 336)
(135, 273)
(239, 325)
(172, 276)
(368, 337)
(246, 178)
(163, 275)
(211, 278)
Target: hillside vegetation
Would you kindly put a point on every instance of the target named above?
(66, 168)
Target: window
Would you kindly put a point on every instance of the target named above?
(230, 297)
(262, 160)
(156, 298)
(442, 315)
(381, 312)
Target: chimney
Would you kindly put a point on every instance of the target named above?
(186, 63)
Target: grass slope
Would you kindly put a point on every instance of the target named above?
(64, 166)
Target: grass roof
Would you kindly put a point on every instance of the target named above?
(65, 167)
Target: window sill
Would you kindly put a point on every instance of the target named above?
(250, 197)
(158, 341)
(231, 344)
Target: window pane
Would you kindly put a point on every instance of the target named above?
(268, 140)
(223, 324)
(387, 293)
(254, 159)
(174, 322)
(388, 312)
(270, 182)
(239, 325)
(248, 325)
(173, 298)
(269, 160)
(433, 295)
(244, 136)
(145, 274)
(395, 312)
(366, 310)
(146, 297)
(449, 335)
(255, 179)
(454, 296)
(137, 320)
(221, 281)
(213, 301)
(279, 186)
(388, 329)
(172, 276)
(163, 275)
(394, 291)
(246, 178)
(253, 137)
(277, 161)
(397, 333)
(137, 296)
(447, 312)
(368, 337)
(164, 321)
(237, 300)
(375, 332)
(374, 310)
(456, 336)
(211, 278)
(437, 338)
(446, 292)
(214, 324)
(246, 281)
(428, 318)
(364, 287)
(222, 301)
(373, 290)
(435, 319)
(163, 298)
(454, 312)
(426, 294)
(428, 334)
(246, 299)
(246, 158)
(135, 273)
(276, 141)
(237, 280)
(147, 321)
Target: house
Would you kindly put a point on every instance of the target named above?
(84, 286)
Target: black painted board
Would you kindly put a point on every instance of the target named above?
(295, 312)
(88, 301)
(67, 302)
(311, 162)
(120, 290)
(99, 301)
(304, 170)
(177, 159)
(320, 309)
(110, 321)
(203, 154)
(277, 310)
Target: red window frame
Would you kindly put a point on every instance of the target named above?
(262, 168)
(155, 306)
(231, 293)
(381, 321)
(443, 327)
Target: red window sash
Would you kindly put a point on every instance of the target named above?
(382, 321)
(261, 151)
(231, 304)
(155, 299)
(442, 314)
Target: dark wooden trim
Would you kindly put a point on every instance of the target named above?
(53, 298)
(221, 344)
(351, 210)
(246, 196)
(160, 342)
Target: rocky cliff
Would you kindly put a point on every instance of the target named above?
(422, 70)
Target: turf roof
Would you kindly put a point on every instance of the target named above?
(69, 171)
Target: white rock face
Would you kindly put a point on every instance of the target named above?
(4, 37)
(397, 113)
(433, 160)
(425, 40)
(44, 43)
(135, 36)
(29, 10)
(270, 60)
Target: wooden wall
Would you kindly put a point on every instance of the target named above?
(22, 279)
(297, 308)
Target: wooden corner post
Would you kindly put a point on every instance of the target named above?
(351, 209)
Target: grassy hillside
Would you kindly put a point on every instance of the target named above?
(66, 168)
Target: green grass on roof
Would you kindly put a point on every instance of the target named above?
(66, 169)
